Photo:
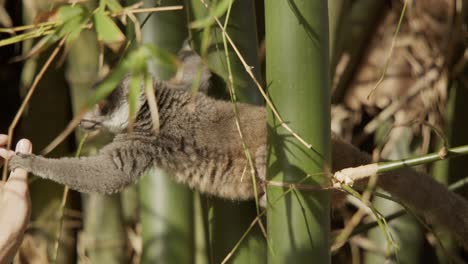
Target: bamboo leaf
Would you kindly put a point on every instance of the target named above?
(135, 62)
(40, 46)
(67, 12)
(72, 18)
(72, 36)
(102, 4)
(108, 85)
(138, 60)
(114, 5)
(107, 31)
(133, 92)
(69, 26)
(23, 37)
(70, 22)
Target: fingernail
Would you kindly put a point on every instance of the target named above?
(23, 145)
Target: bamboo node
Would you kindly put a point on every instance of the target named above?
(349, 175)
(443, 153)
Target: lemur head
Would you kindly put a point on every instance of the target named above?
(112, 113)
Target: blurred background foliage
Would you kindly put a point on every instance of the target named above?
(160, 221)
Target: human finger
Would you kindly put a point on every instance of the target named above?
(3, 140)
(6, 154)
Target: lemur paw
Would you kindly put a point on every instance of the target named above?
(21, 160)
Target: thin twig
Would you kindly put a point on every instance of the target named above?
(26, 27)
(458, 184)
(153, 106)
(148, 10)
(238, 125)
(61, 220)
(387, 62)
(63, 203)
(65, 133)
(233, 96)
(236, 246)
(258, 217)
(389, 111)
(365, 227)
(260, 88)
(357, 217)
(381, 221)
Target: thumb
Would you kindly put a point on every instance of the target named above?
(24, 146)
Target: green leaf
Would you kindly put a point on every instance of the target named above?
(114, 5)
(215, 12)
(72, 36)
(138, 62)
(67, 12)
(109, 84)
(69, 26)
(107, 31)
(24, 36)
(73, 19)
(102, 4)
(139, 59)
(135, 62)
(133, 94)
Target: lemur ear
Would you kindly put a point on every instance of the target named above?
(191, 63)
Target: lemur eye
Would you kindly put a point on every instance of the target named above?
(103, 107)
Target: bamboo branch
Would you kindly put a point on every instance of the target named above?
(349, 175)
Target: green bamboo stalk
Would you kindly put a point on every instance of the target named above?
(424, 159)
(105, 240)
(336, 15)
(166, 207)
(352, 174)
(228, 221)
(104, 225)
(298, 78)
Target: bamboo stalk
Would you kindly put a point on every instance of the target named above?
(166, 207)
(297, 71)
(212, 44)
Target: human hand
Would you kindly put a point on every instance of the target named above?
(15, 203)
